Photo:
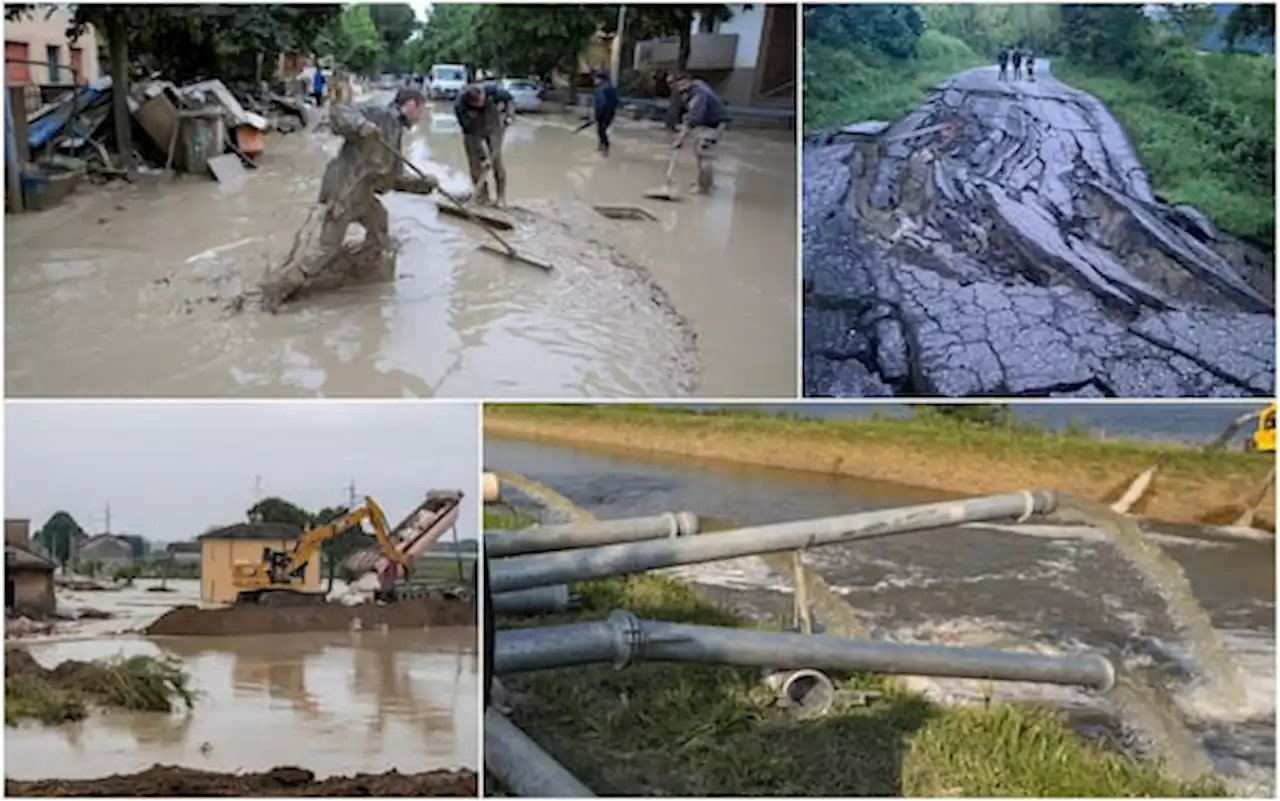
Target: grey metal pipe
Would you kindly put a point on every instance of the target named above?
(582, 564)
(538, 539)
(522, 766)
(551, 599)
(804, 693)
(623, 638)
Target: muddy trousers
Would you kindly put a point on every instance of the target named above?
(602, 133)
(360, 207)
(476, 147)
(705, 141)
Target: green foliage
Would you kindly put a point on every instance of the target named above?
(335, 550)
(1191, 21)
(395, 23)
(352, 41)
(449, 37)
(984, 415)
(1249, 20)
(128, 572)
(278, 510)
(986, 27)
(57, 537)
(533, 39)
(893, 30)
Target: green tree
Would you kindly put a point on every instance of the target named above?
(1192, 21)
(1105, 35)
(986, 415)
(448, 37)
(337, 548)
(395, 23)
(278, 510)
(352, 41)
(534, 39)
(892, 30)
(57, 536)
(1249, 20)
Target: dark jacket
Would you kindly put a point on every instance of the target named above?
(606, 100)
(488, 118)
(706, 110)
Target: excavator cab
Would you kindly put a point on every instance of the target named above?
(1264, 434)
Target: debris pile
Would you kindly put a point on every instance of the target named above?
(64, 692)
(248, 619)
(175, 781)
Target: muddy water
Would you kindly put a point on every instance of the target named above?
(333, 704)
(1001, 586)
(699, 300)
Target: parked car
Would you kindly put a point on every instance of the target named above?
(446, 81)
(527, 95)
(387, 81)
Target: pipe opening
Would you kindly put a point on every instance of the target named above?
(804, 693)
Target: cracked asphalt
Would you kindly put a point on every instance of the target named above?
(1003, 239)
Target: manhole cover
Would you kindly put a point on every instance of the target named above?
(625, 213)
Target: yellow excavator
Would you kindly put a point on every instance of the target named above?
(279, 577)
(1263, 437)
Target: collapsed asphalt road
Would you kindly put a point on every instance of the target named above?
(1003, 239)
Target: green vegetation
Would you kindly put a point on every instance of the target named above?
(65, 693)
(691, 730)
(936, 428)
(1203, 124)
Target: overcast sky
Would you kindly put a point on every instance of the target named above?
(172, 470)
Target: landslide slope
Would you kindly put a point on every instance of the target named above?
(1003, 239)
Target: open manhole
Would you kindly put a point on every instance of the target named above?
(625, 213)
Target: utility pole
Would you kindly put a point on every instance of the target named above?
(615, 65)
(108, 529)
(351, 495)
(257, 488)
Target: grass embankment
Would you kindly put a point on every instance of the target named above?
(953, 458)
(690, 730)
(1183, 154)
(69, 690)
(844, 86)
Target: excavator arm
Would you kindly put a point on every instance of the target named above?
(314, 539)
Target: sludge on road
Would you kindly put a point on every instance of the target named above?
(139, 279)
(1003, 239)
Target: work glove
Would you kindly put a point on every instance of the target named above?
(369, 129)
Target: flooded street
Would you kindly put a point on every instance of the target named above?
(1052, 587)
(335, 704)
(699, 300)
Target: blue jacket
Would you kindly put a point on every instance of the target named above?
(606, 100)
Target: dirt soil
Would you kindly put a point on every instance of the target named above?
(245, 620)
(166, 780)
(1174, 497)
(70, 675)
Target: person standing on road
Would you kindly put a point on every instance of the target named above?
(606, 107)
(1002, 58)
(706, 114)
(1017, 63)
(317, 87)
(1030, 61)
(484, 110)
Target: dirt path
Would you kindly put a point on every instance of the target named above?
(1176, 495)
(163, 780)
(1003, 239)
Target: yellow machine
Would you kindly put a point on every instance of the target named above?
(1263, 437)
(277, 577)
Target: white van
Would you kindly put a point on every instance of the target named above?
(446, 81)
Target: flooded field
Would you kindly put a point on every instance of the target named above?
(698, 300)
(996, 585)
(334, 704)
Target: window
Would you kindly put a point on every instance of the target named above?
(77, 66)
(53, 53)
(16, 68)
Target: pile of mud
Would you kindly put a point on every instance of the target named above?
(165, 780)
(1003, 239)
(264, 619)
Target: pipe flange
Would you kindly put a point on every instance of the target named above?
(687, 524)
(628, 637)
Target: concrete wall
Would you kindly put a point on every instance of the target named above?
(16, 531)
(39, 34)
(748, 24)
(30, 590)
(218, 559)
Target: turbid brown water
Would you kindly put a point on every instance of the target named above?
(333, 704)
(699, 300)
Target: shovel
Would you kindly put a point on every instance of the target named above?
(506, 250)
(666, 192)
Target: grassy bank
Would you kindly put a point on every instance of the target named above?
(1192, 486)
(1182, 153)
(697, 731)
(68, 691)
(844, 86)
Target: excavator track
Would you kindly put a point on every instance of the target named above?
(280, 597)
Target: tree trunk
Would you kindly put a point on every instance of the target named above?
(118, 46)
(333, 571)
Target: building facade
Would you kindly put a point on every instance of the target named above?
(28, 577)
(38, 52)
(222, 549)
(108, 550)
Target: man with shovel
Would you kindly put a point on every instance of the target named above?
(368, 165)
(706, 114)
(484, 110)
